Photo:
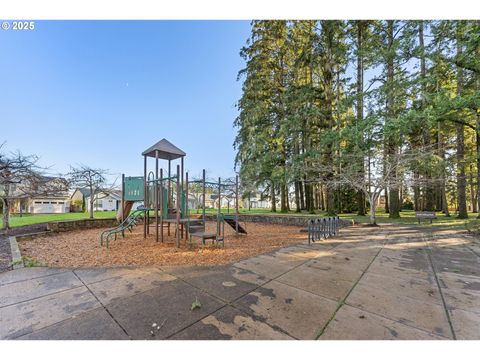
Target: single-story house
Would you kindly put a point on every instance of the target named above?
(105, 202)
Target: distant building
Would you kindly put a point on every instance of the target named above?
(381, 202)
(77, 200)
(105, 202)
(256, 201)
(40, 204)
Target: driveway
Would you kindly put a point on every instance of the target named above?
(383, 283)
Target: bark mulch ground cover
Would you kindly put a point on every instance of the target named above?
(82, 248)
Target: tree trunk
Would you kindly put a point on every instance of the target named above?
(301, 194)
(477, 138)
(92, 201)
(311, 206)
(360, 70)
(393, 195)
(429, 189)
(322, 199)
(283, 205)
(387, 202)
(373, 208)
(330, 201)
(297, 196)
(472, 190)
(6, 214)
(441, 154)
(477, 130)
(274, 200)
(461, 176)
(416, 192)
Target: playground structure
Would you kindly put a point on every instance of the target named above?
(167, 197)
(322, 228)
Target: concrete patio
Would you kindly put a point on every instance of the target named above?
(384, 283)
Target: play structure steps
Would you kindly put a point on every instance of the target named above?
(196, 228)
(230, 220)
(130, 221)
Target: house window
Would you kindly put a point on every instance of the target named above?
(38, 202)
(61, 202)
(46, 202)
(53, 202)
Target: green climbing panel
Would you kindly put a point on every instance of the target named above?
(134, 190)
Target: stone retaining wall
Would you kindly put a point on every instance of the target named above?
(83, 224)
(281, 219)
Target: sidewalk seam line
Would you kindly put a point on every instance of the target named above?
(343, 301)
(37, 277)
(438, 285)
(230, 303)
(104, 307)
(40, 297)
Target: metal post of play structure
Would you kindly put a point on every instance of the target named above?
(181, 186)
(219, 204)
(181, 168)
(161, 205)
(177, 207)
(236, 204)
(186, 204)
(123, 199)
(156, 195)
(145, 195)
(203, 197)
(169, 183)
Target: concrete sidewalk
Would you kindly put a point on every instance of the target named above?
(388, 283)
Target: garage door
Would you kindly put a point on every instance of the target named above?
(42, 207)
(48, 207)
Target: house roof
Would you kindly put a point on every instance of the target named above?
(116, 194)
(166, 150)
(85, 191)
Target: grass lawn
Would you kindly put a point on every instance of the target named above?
(28, 219)
(407, 217)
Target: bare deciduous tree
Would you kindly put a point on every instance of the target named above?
(21, 176)
(95, 180)
(393, 171)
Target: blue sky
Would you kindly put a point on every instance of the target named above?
(101, 92)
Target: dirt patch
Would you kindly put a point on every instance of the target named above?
(82, 248)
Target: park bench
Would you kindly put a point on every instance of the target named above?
(425, 215)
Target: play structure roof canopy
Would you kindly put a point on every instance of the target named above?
(166, 150)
